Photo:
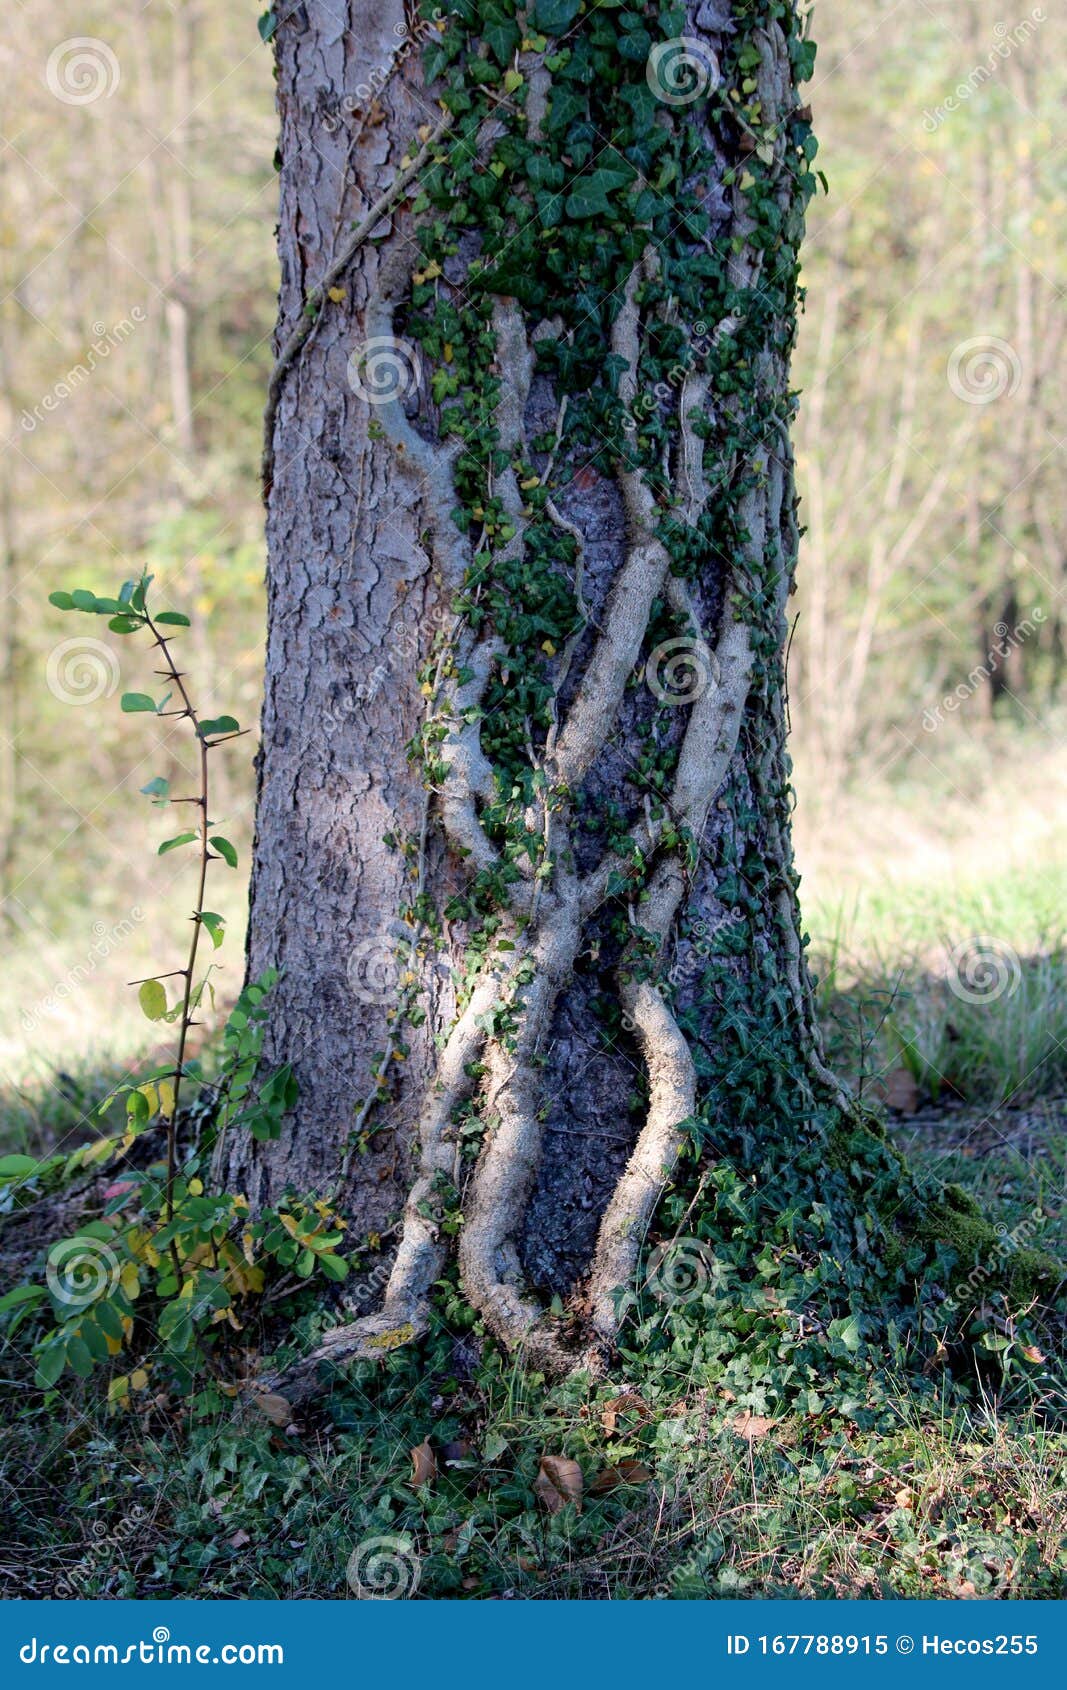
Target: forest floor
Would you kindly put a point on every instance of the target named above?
(682, 1496)
(455, 1476)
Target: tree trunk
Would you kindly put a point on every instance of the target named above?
(522, 850)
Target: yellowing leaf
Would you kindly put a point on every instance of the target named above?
(336, 294)
(138, 1379)
(153, 999)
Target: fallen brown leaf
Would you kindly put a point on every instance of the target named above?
(625, 1472)
(423, 1465)
(609, 1415)
(558, 1482)
(278, 1410)
(239, 1539)
(752, 1426)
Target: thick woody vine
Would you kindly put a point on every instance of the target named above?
(575, 193)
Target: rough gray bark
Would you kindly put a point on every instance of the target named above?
(350, 593)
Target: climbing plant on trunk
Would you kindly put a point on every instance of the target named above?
(523, 843)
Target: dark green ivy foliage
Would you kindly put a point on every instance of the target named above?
(814, 1250)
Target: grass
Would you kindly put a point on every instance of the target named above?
(937, 927)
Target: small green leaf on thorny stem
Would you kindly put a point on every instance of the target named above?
(215, 924)
(153, 999)
(179, 839)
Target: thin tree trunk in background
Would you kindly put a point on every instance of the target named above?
(9, 632)
(179, 186)
(168, 204)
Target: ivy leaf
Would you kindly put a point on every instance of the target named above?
(153, 999)
(132, 702)
(589, 197)
(225, 850)
(565, 105)
(179, 839)
(554, 16)
(803, 56)
(216, 926)
(501, 36)
(847, 1333)
(220, 725)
